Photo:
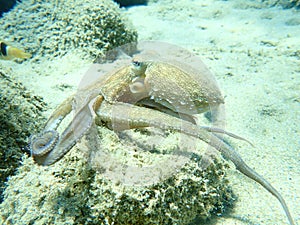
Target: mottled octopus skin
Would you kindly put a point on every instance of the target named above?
(120, 99)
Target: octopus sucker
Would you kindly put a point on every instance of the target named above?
(42, 144)
(54, 151)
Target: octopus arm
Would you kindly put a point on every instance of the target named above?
(49, 147)
(135, 117)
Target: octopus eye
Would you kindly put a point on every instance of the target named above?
(136, 63)
(138, 67)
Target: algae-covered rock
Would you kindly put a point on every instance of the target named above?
(286, 4)
(73, 191)
(54, 28)
(20, 114)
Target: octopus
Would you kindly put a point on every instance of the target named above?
(149, 91)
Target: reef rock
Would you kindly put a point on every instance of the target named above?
(20, 114)
(73, 191)
(54, 28)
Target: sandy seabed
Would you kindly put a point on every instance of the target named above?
(255, 56)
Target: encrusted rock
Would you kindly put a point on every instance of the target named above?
(20, 114)
(286, 4)
(72, 192)
(56, 27)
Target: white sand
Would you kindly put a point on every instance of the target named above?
(253, 54)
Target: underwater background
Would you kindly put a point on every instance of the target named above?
(251, 47)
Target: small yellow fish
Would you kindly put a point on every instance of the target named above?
(8, 52)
